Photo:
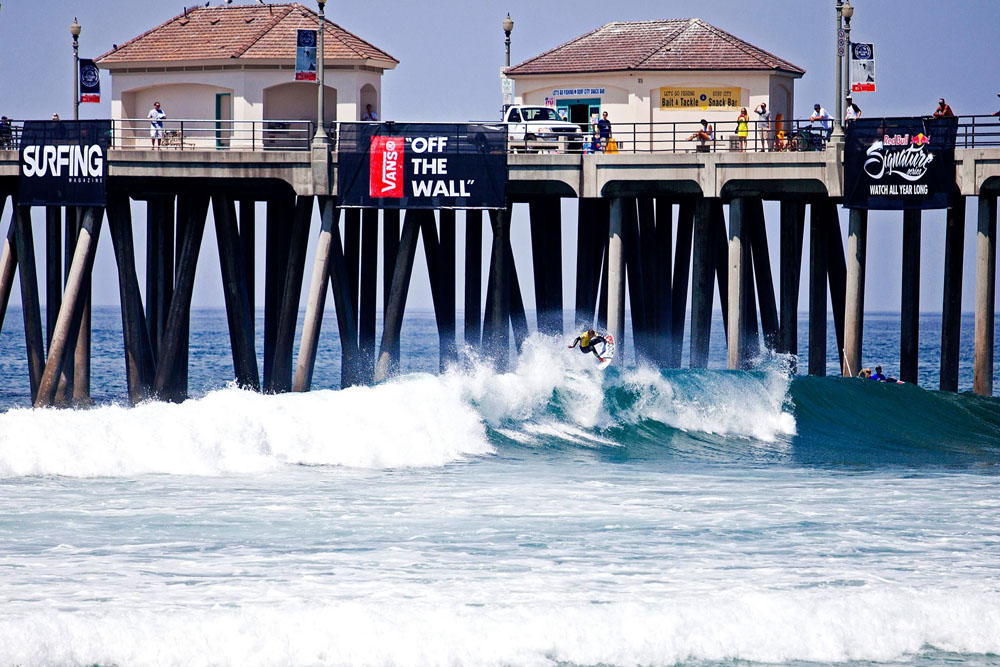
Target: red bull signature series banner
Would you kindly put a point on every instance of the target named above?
(422, 165)
(64, 162)
(900, 163)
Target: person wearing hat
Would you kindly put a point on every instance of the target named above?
(852, 113)
(826, 122)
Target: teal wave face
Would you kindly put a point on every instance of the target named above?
(759, 417)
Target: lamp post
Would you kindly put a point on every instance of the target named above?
(320, 136)
(508, 26)
(838, 122)
(74, 29)
(848, 12)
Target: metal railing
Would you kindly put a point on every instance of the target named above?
(979, 131)
(199, 134)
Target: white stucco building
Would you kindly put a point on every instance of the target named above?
(237, 63)
(657, 72)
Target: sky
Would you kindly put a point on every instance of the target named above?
(450, 52)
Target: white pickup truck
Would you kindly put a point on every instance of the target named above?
(540, 128)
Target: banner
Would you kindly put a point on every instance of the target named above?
(422, 165)
(900, 163)
(680, 97)
(90, 81)
(305, 56)
(862, 68)
(64, 162)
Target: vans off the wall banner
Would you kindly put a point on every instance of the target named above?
(900, 163)
(422, 165)
(64, 162)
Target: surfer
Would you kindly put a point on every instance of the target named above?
(587, 341)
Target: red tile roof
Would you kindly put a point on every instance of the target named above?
(241, 31)
(671, 44)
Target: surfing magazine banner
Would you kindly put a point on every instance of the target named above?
(90, 81)
(305, 56)
(64, 162)
(862, 68)
(896, 164)
(422, 165)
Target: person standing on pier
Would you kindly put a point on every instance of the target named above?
(943, 110)
(370, 114)
(764, 126)
(604, 130)
(156, 116)
(742, 129)
(852, 113)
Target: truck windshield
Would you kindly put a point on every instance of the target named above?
(539, 113)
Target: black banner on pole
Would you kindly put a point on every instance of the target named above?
(64, 162)
(900, 163)
(90, 81)
(422, 165)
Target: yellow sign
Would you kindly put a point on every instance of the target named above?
(701, 98)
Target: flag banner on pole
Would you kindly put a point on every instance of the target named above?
(422, 165)
(305, 56)
(862, 68)
(896, 164)
(90, 81)
(64, 162)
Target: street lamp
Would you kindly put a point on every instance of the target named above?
(320, 136)
(848, 12)
(838, 122)
(74, 29)
(508, 26)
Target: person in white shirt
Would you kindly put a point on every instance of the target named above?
(156, 116)
(764, 126)
(852, 113)
(369, 114)
(825, 121)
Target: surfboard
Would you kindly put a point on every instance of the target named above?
(607, 351)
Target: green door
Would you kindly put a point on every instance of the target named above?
(223, 119)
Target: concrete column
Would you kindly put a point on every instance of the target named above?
(70, 312)
(367, 294)
(34, 334)
(8, 265)
(616, 275)
(910, 298)
(857, 243)
(315, 304)
(53, 268)
(792, 225)
(817, 289)
(496, 329)
(737, 285)
(951, 308)
(679, 286)
(702, 284)
(986, 270)
(473, 277)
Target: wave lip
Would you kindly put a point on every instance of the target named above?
(416, 422)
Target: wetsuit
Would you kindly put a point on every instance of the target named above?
(588, 343)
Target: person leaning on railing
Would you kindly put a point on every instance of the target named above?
(764, 125)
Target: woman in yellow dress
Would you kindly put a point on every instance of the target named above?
(742, 129)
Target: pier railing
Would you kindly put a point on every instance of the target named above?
(978, 131)
(201, 134)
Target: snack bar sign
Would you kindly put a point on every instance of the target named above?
(679, 97)
(416, 165)
(900, 163)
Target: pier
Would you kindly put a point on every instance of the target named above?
(632, 205)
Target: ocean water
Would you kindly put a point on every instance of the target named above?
(551, 515)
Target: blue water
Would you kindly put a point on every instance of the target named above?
(551, 515)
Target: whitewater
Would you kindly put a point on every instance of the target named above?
(550, 515)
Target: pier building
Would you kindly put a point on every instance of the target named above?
(661, 72)
(229, 70)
